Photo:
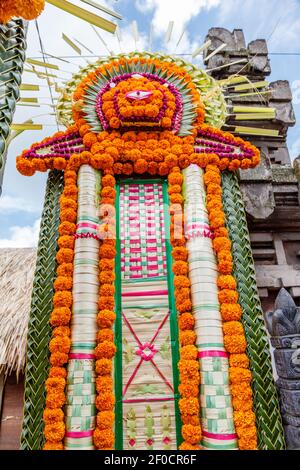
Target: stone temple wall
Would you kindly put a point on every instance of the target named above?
(271, 196)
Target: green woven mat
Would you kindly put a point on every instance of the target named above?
(39, 331)
(269, 424)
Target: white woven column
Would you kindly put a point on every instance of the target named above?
(81, 394)
(216, 408)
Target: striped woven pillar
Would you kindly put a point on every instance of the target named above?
(81, 393)
(216, 408)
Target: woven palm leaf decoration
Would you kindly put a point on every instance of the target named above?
(12, 57)
(271, 435)
(39, 330)
(167, 307)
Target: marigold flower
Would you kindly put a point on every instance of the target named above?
(238, 375)
(54, 415)
(187, 337)
(221, 243)
(191, 433)
(64, 255)
(105, 402)
(188, 352)
(67, 228)
(189, 370)
(58, 372)
(106, 318)
(226, 282)
(62, 299)
(239, 360)
(189, 406)
(55, 432)
(183, 305)
(63, 283)
(180, 268)
(55, 400)
(61, 331)
(53, 446)
(243, 419)
(106, 350)
(228, 296)
(107, 277)
(66, 241)
(105, 419)
(65, 269)
(107, 251)
(189, 389)
(235, 343)
(55, 384)
(60, 316)
(106, 303)
(233, 328)
(60, 344)
(103, 438)
(186, 321)
(187, 446)
(104, 384)
(103, 366)
(181, 281)
(175, 178)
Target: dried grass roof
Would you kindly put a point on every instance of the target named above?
(17, 267)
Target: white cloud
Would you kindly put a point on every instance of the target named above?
(295, 149)
(179, 12)
(277, 22)
(9, 204)
(22, 237)
(169, 10)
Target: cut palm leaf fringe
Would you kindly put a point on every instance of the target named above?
(39, 329)
(13, 42)
(269, 424)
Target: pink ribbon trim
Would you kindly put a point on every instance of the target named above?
(143, 294)
(213, 353)
(81, 356)
(79, 434)
(222, 437)
(87, 224)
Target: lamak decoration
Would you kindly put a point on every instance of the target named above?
(148, 349)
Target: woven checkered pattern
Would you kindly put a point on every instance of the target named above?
(142, 244)
(80, 408)
(148, 400)
(216, 408)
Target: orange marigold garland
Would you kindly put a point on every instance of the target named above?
(234, 336)
(105, 402)
(60, 320)
(27, 9)
(188, 364)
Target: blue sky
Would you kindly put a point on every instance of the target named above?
(275, 20)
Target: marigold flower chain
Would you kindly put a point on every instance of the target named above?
(188, 365)
(60, 343)
(105, 402)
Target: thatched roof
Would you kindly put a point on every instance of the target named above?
(17, 267)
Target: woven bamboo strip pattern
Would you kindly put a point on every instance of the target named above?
(81, 392)
(12, 57)
(216, 408)
(147, 375)
(39, 330)
(269, 424)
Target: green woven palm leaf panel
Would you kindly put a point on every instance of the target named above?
(269, 424)
(12, 56)
(39, 331)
